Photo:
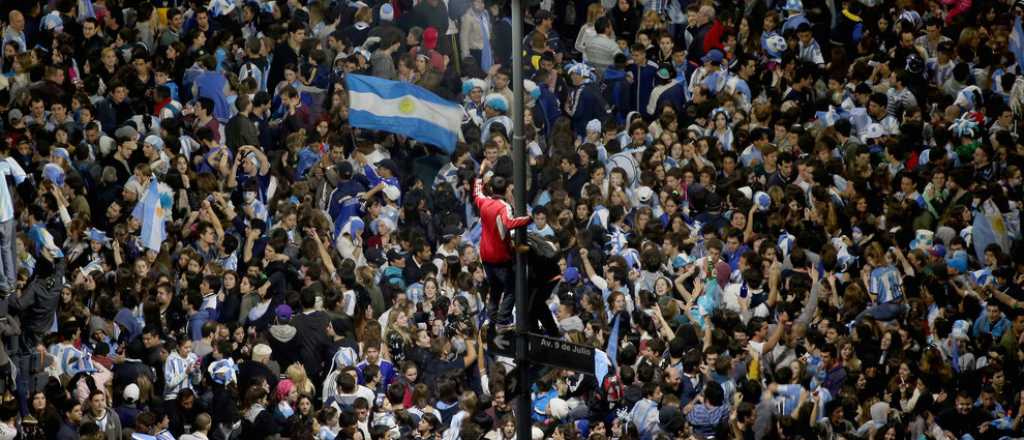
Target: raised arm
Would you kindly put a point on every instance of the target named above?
(748, 232)
(233, 175)
(773, 340)
(325, 256)
(211, 216)
(774, 278)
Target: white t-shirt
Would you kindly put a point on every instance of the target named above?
(757, 346)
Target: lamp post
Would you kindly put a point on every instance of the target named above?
(524, 427)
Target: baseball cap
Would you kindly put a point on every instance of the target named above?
(394, 255)
(390, 165)
(131, 392)
(262, 350)
(571, 275)
(14, 116)
(345, 170)
(126, 133)
(644, 194)
(155, 141)
(714, 55)
(283, 311)
(874, 131)
(430, 38)
(387, 12)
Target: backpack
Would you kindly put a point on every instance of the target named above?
(541, 246)
(612, 389)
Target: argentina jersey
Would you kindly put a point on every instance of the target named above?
(885, 283)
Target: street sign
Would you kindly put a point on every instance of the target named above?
(562, 354)
(549, 351)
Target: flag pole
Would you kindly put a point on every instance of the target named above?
(524, 428)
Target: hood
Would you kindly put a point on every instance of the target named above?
(253, 412)
(125, 319)
(283, 333)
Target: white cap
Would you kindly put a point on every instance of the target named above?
(155, 141)
(594, 126)
(747, 192)
(131, 392)
(387, 12)
(262, 350)
(644, 194)
(762, 200)
(874, 131)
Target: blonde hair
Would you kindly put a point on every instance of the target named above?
(364, 14)
(651, 17)
(594, 11)
(468, 401)
(297, 374)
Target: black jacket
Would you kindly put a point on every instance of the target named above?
(260, 427)
(241, 130)
(312, 339)
(38, 302)
(284, 344)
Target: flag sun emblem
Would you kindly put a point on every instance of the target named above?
(406, 105)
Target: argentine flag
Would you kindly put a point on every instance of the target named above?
(1016, 44)
(405, 109)
(151, 211)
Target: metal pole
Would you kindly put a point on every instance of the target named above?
(524, 428)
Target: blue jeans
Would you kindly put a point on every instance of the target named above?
(502, 296)
(8, 256)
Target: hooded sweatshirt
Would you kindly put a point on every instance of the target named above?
(282, 342)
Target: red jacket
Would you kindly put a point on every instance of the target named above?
(713, 39)
(495, 221)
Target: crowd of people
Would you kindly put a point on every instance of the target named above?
(772, 219)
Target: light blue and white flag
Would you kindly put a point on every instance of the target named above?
(405, 109)
(602, 365)
(151, 211)
(222, 7)
(988, 229)
(785, 242)
(828, 118)
(1016, 43)
(223, 371)
(44, 240)
(599, 217)
(85, 10)
(72, 360)
(613, 342)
